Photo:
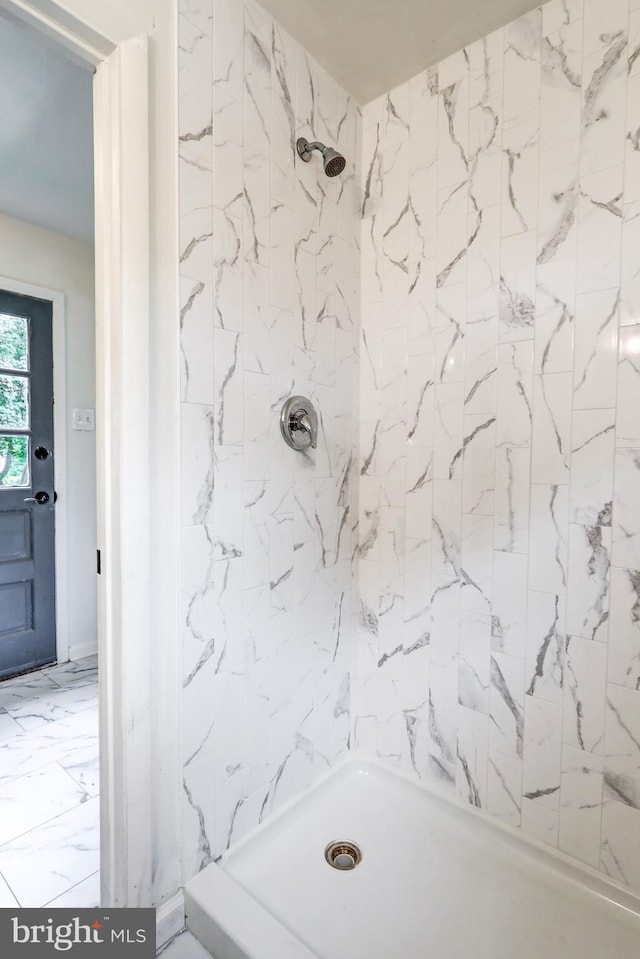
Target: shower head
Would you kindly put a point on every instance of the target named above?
(334, 163)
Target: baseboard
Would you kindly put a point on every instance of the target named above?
(169, 919)
(81, 650)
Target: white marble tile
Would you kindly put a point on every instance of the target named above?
(515, 394)
(448, 431)
(626, 511)
(51, 743)
(509, 607)
(198, 427)
(474, 664)
(472, 757)
(517, 287)
(84, 767)
(581, 805)
(228, 512)
(185, 946)
(48, 706)
(603, 99)
(506, 730)
(478, 469)
(560, 99)
(443, 699)
(555, 316)
(7, 899)
(622, 746)
(632, 155)
(540, 821)
(476, 563)
(505, 788)
(560, 13)
(558, 202)
(196, 341)
(624, 628)
(630, 274)
(67, 849)
(16, 692)
(589, 578)
(512, 492)
(542, 751)
(544, 664)
(548, 538)
(600, 229)
(29, 801)
(84, 895)
(196, 217)
(627, 429)
(584, 695)
(75, 672)
(520, 144)
(8, 726)
(593, 438)
(596, 350)
(195, 72)
(197, 812)
(551, 434)
(620, 849)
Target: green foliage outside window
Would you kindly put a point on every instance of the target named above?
(13, 400)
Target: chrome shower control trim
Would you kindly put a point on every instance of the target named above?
(299, 423)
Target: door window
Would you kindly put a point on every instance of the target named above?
(15, 388)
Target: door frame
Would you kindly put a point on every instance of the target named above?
(134, 51)
(57, 300)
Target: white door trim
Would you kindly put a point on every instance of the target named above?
(57, 299)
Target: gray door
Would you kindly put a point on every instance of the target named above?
(27, 548)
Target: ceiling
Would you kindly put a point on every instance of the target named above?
(371, 46)
(46, 133)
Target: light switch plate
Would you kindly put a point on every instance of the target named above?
(84, 420)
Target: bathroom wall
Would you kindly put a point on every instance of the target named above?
(499, 646)
(269, 264)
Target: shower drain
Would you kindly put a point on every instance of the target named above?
(343, 854)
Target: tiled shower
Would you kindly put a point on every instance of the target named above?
(452, 581)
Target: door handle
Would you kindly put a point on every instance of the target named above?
(40, 498)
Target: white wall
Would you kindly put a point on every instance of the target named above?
(31, 254)
(500, 528)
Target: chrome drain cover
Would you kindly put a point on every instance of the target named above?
(343, 854)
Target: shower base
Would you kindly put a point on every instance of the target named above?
(435, 880)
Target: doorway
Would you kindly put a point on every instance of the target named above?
(49, 782)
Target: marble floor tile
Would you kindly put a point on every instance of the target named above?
(47, 861)
(23, 689)
(49, 705)
(49, 787)
(84, 766)
(83, 895)
(29, 801)
(8, 726)
(7, 899)
(54, 741)
(184, 946)
(75, 673)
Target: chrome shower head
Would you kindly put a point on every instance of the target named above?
(333, 162)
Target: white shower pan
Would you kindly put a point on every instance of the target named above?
(436, 881)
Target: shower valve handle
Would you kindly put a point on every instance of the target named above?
(299, 423)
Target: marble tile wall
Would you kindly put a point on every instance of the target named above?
(269, 262)
(499, 549)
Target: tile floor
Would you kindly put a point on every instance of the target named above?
(184, 946)
(49, 806)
